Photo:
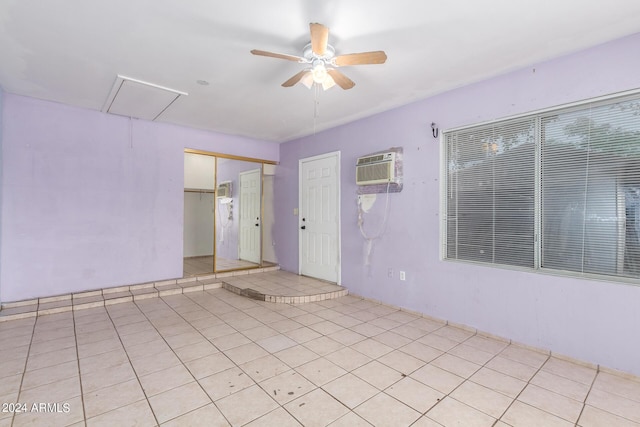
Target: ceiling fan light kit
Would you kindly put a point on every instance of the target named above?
(320, 55)
(319, 71)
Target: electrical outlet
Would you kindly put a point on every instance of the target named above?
(390, 273)
(403, 276)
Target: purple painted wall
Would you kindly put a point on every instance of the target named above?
(591, 320)
(91, 200)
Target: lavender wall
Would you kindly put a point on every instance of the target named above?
(591, 320)
(91, 200)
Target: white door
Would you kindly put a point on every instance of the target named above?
(249, 244)
(319, 217)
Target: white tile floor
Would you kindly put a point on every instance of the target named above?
(214, 358)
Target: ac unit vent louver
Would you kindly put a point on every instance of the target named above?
(376, 169)
(224, 189)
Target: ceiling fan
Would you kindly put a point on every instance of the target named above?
(320, 55)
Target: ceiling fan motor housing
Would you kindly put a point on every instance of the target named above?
(310, 55)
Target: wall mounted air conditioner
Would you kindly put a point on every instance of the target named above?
(376, 169)
(224, 189)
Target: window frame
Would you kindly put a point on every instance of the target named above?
(537, 115)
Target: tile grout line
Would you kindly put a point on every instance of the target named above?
(379, 391)
(75, 338)
(316, 387)
(510, 342)
(294, 369)
(424, 414)
(498, 419)
(24, 371)
(134, 371)
(178, 357)
(290, 368)
(403, 376)
(465, 379)
(584, 403)
(523, 388)
(238, 366)
(113, 324)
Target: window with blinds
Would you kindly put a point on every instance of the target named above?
(558, 190)
(491, 193)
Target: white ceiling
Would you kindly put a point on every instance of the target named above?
(71, 51)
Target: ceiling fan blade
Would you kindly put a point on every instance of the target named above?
(376, 57)
(341, 80)
(295, 79)
(319, 38)
(278, 55)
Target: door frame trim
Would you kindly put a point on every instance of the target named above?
(337, 156)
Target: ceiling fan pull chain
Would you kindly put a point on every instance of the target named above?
(316, 102)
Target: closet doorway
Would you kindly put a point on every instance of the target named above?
(224, 213)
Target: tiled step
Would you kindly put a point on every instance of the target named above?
(283, 287)
(103, 297)
(293, 298)
(302, 290)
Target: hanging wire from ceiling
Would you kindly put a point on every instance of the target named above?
(130, 132)
(316, 105)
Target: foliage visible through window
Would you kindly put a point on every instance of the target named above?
(557, 191)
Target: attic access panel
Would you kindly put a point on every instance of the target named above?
(139, 99)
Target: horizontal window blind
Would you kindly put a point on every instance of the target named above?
(591, 190)
(558, 190)
(490, 193)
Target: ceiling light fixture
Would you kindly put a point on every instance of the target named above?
(328, 83)
(318, 74)
(319, 71)
(320, 54)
